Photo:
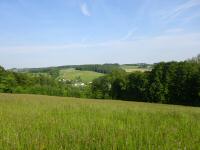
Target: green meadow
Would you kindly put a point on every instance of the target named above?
(44, 122)
(85, 76)
(133, 68)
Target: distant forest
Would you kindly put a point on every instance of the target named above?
(167, 82)
(100, 68)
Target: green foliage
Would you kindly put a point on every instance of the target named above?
(172, 83)
(136, 86)
(11, 82)
(101, 88)
(118, 84)
(1, 69)
(54, 73)
(105, 68)
(156, 86)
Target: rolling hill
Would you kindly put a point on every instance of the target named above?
(84, 76)
(44, 122)
(134, 68)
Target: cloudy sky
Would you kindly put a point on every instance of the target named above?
(38, 33)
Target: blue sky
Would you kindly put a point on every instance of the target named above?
(39, 33)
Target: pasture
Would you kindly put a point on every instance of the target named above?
(85, 76)
(133, 68)
(44, 122)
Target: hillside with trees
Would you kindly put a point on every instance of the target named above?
(167, 82)
(100, 68)
(171, 83)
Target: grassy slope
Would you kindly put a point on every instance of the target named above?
(133, 68)
(39, 122)
(72, 74)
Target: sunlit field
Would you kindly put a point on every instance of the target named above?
(130, 69)
(43, 122)
(85, 76)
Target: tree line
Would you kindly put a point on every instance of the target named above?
(169, 83)
(105, 68)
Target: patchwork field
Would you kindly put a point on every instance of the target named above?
(134, 68)
(85, 76)
(43, 122)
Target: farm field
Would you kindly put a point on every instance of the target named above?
(44, 122)
(134, 68)
(85, 76)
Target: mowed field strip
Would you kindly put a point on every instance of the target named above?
(44, 122)
(134, 68)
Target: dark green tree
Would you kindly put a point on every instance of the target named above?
(101, 88)
(137, 86)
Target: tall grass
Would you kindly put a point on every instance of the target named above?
(42, 122)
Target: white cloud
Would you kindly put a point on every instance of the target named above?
(188, 5)
(174, 30)
(84, 9)
(172, 43)
(180, 9)
(129, 35)
(166, 47)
